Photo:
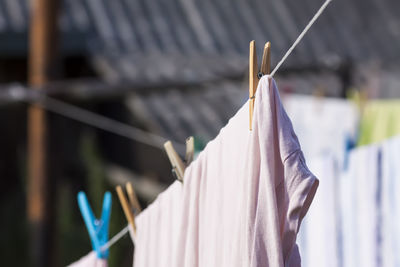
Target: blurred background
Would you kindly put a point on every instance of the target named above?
(165, 70)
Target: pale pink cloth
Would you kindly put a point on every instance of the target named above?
(158, 229)
(243, 198)
(90, 260)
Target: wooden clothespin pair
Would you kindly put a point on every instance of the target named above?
(255, 75)
(130, 208)
(178, 165)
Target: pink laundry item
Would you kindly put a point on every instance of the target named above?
(157, 229)
(242, 199)
(90, 260)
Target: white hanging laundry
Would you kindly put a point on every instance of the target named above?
(318, 235)
(324, 126)
(391, 202)
(360, 208)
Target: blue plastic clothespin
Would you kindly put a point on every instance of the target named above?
(97, 228)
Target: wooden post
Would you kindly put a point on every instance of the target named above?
(42, 49)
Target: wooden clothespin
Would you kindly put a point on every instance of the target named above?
(133, 198)
(130, 208)
(189, 150)
(254, 74)
(178, 166)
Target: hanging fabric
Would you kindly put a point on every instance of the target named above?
(243, 198)
(158, 228)
(318, 235)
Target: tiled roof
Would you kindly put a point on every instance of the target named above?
(165, 70)
(355, 30)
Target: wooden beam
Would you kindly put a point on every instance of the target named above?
(42, 49)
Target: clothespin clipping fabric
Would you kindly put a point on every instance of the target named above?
(178, 165)
(131, 207)
(255, 74)
(97, 228)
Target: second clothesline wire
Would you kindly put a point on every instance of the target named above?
(120, 234)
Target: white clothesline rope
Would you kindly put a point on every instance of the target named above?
(115, 238)
(125, 230)
(319, 12)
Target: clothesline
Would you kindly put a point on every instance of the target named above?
(115, 238)
(92, 118)
(316, 16)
